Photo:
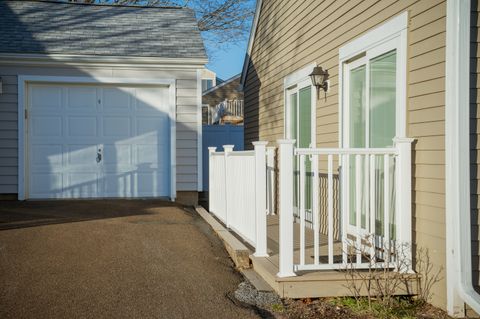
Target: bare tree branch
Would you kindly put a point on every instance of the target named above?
(220, 21)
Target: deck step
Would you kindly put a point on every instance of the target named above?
(313, 284)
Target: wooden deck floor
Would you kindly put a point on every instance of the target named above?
(307, 284)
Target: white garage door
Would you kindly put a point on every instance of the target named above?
(97, 141)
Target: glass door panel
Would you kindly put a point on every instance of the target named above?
(305, 138)
(357, 136)
(382, 131)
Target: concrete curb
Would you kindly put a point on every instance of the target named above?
(235, 248)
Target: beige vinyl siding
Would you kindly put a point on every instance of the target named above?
(474, 140)
(186, 126)
(293, 34)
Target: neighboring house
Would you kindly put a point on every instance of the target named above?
(99, 101)
(222, 105)
(225, 98)
(398, 70)
(209, 79)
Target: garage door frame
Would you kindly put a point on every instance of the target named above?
(25, 80)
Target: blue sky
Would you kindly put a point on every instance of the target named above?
(228, 62)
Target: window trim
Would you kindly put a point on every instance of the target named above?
(392, 32)
(290, 82)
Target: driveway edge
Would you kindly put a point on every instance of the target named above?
(235, 248)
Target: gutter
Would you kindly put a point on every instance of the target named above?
(457, 151)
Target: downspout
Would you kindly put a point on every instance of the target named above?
(457, 152)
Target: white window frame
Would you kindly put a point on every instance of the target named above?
(294, 82)
(386, 37)
(392, 35)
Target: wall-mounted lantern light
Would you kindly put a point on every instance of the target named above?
(319, 78)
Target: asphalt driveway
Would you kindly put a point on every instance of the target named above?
(112, 259)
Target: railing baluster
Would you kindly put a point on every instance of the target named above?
(302, 181)
(386, 206)
(345, 193)
(330, 209)
(358, 206)
(315, 211)
(372, 207)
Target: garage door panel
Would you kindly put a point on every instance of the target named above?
(47, 155)
(46, 97)
(46, 185)
(46, 126)
(81, 155)
(117, 99)
(82, 126)
(149, 184)
(117, 156)
(151, 124)
(120, 185)
(148, 98)
(82, 185)
(115, 126)
(81, 98)
(65, 141)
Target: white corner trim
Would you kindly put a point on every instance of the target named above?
(21, 138)
(383, 32)
(251, 39)
(24, 80)
(298, 76)
(199, 133)
(457, 161)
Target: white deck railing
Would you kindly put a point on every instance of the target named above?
(375, 190)
(233, 108)
(238, 192)
(351, 206)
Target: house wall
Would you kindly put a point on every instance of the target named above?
(474, 140)
(187, 108)
(293, 34)
(228, 91)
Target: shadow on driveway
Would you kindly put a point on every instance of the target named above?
(112, 259)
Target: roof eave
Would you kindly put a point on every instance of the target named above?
(251, 39)
(100, 60)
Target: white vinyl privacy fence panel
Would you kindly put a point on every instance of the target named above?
(238, 192)
(241, 194)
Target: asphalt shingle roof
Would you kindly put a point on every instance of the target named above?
(66, 28)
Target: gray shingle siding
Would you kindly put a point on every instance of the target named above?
(47, 27)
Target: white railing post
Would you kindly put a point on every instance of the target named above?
(260, 199)
(271, 179)
(227, 149)
(404, 196)
(286, 208)
(211, 182)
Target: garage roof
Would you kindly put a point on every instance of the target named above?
(49, 27)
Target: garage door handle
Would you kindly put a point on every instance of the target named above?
(99, 156)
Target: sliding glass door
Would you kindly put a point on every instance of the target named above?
(370, 122)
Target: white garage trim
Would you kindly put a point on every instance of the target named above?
(199, 132)
(23, 80)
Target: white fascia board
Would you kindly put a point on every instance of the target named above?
(251, 39)
(101, 61)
